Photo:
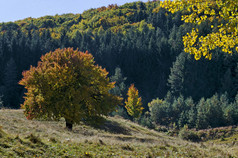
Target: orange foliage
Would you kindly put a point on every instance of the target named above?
(67, 83)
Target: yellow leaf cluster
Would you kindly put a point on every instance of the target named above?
(199, 11)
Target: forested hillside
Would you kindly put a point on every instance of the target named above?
(144, 45)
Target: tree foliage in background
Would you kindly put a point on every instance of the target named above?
(222, 18)
(119, 90)
(119, 80)
(159, 111)
(10, 97)
(67, 83)
(133, 102)
(200, 115)
(177, 75)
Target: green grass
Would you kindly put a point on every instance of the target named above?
(117, 137)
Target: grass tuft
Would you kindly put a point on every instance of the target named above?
(127, 147)
(34, 139)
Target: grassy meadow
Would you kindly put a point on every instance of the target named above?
(117, 137)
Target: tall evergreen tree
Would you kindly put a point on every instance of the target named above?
(187, 114)
(231, 112)
(176, 77)
(202, 120)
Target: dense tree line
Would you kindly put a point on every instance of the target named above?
(145, 45)
(178, 112)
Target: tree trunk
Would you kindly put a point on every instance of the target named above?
(69, 125)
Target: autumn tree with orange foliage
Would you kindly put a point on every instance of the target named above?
(133, 103)
(67, 83)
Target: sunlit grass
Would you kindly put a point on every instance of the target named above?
(20, 137)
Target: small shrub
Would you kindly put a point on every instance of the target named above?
(172, 132)
(120, 111)
(162, 129)
(146, 122)
(202, 135)
(186, 134)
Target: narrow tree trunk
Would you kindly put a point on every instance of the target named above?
(69, 125)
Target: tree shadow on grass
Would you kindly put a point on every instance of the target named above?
(112, 127)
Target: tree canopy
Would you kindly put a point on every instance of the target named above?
(67, 83)
(222, 16)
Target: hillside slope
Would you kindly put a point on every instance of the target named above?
(115, 138)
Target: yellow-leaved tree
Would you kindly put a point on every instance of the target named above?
(133, 103)
(67, 83)
(224, 33)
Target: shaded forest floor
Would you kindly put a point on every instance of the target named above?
(117, 137)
